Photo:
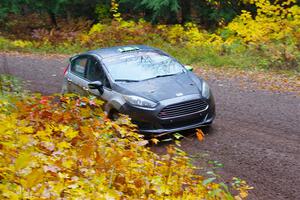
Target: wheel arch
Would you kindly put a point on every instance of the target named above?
(113, 106)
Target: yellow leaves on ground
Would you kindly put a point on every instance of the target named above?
(87, 149)
(242, 187)
(27, 129)
(43, 156)
(32, 179)
(63, 145)
(68, 163)
(69, 132)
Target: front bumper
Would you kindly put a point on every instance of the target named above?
(149, 123)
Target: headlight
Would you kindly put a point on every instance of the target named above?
(139, 101)
(205, 90)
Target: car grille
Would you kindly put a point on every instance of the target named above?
(184, 108)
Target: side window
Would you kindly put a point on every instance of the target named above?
(78, 66)
(106, 82)
(95, 72)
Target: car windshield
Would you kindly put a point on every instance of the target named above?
(142, 66)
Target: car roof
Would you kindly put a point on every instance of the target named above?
(120, 50)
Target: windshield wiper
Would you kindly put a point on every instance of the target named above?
(158, 76)
(164, 75)
(126, 80)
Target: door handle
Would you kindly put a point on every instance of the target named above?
(86, 88)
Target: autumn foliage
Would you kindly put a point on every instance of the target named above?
(54, 147)
(268, 38)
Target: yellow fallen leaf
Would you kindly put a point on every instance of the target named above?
(23, 160)
(68, 164)
(28, 129)
(9, 194)
(237, 198)
(35, 177)
(243, 194)
(69, 132)
(154, 140)
(63, 145)
(24, 139)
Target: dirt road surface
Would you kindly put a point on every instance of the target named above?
(256, 134)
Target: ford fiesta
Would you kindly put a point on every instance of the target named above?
(158, 93)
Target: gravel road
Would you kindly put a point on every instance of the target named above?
(256, 134)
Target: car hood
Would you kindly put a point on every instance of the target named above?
(162, 88)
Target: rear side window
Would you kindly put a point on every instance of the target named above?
(78, 66)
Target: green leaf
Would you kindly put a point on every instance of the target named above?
(209, 180)
(177, 136)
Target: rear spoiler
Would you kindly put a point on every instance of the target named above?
(73, 57)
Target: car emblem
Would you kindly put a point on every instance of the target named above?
(179, 94)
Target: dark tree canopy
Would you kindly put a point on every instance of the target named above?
(207, 13)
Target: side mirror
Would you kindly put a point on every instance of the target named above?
(96, 85)
(188, 67)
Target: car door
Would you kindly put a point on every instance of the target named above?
(76, 79)
(95, 72)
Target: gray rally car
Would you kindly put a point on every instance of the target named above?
(158, 93)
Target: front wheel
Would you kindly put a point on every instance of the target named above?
(114, 115)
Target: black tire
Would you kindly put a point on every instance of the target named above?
(207, 129)
(64, 90)
(114, 115)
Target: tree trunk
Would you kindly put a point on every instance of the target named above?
(69, 16)
(185, 11)
(52, 18)
(172, 18)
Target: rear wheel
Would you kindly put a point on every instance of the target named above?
(64, 89)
